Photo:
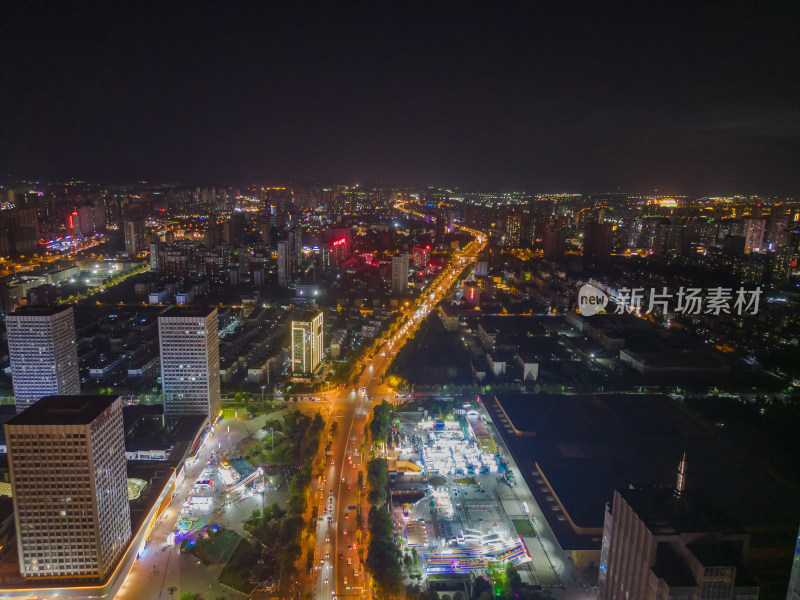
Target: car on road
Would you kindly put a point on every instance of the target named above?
(341, 555)
(349, 562)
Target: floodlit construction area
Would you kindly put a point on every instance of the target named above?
(452, 506)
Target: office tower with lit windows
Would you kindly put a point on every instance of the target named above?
(42, 353)
(307, 342)
(399, 273)
(66, 457)
(189, 343)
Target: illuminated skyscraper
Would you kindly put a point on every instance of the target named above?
(66, 456)
(754, 234)
(514, 227)
(399, 273)
(189, 343)
(42, 352)
(307, 342)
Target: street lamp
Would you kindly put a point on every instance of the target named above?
(262, 393)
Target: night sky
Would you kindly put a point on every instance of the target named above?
(694, 98)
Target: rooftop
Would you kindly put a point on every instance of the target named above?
(589, 445)
(64, 410)
(665, 514)
(39, 311)
(192, 312)
(672, 568)
(308, 315)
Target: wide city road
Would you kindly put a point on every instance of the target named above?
(338, 571)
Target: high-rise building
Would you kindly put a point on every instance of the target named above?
(296, 249)
(754, 234)
(66, 457)
(514, 227)
(333, 254)
(399, 273)
(734, 244)
(285, 262)
(154, 250)
(793, 593)
(42, 353)
(234, 229)
(553, 242)
(212, 235)
(671, 543)
(782, 262)
(597, 239)
(19, 232)
(87, 220)
(264, 228)
(307, 342)
(134, 236)
(189, 343)
(421, 257)
(442, 218)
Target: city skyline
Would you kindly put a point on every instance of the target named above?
(425, 300)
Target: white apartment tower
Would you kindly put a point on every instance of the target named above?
(189, 343)
(399, 273)
(307, 342)
(66, 456)
(42, 353)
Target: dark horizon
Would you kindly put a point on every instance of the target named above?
(686, 99)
